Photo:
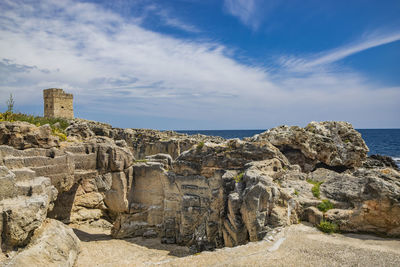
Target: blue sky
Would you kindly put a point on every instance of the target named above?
(206, 64)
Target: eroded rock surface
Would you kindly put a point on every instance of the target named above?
(142, 142)
(25, 200)
(102, 179)
(335, 144)
(201, 192)
(23, 135)
(53, 244)
(213, 196)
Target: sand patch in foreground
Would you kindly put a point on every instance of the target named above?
(300, 245)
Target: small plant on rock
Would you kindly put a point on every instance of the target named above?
(315, 189)
(328, 227)
(200, 145)
(57, 132)
(325, 205)
(239, 178)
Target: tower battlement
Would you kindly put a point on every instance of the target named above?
(58, 104)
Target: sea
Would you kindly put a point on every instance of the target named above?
(379, 141)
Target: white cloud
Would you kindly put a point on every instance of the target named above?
(328, 57)
(251, 13)
(115, 66)
(244, 10)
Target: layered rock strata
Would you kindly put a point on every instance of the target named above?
(202, 192)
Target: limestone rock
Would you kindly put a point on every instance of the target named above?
(23, 135)
(335, 144)
(380, 161)
(265, 204)
(197, 202)
(80, 130)
(103, 176)
(142, 142)
(53, 163)
(366, 200)
(234, 154)
(53, 244)
(24, 206)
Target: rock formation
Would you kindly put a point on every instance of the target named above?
(197, 191)
(332, 144)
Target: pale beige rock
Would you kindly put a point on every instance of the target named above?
(23, 135)
(335, 144)
(116, 197)
(53, 244)
(24, 205)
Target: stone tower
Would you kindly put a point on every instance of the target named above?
(58, 104)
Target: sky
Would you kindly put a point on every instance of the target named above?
(206, 64)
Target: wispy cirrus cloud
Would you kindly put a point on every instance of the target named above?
(167, 18)
(328, 57)
(251, 13)
(244, 10)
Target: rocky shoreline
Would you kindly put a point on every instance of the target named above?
(197, 191)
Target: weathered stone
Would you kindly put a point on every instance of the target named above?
(23, 135)
(367, 200)
(313, 215)
(23, 206)
(116, 197)
(380, 161)
(53, 244)
(335, 144)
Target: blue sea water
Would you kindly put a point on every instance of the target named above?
(379, 141)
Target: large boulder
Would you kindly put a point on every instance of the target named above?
(23, 135)
(363, 200)
(373, 196)
(333, 144)
(53, 244)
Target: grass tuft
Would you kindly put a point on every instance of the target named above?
(328, 227)
(315, 189)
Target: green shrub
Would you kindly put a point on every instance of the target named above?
(239, 178)
(57, 132)
(327, 227)
(315, 189)
(325, 205)
(296, 192)
(200, 145)
(36, 120)
(58, 125)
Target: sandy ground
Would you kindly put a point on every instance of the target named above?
(298, 245)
